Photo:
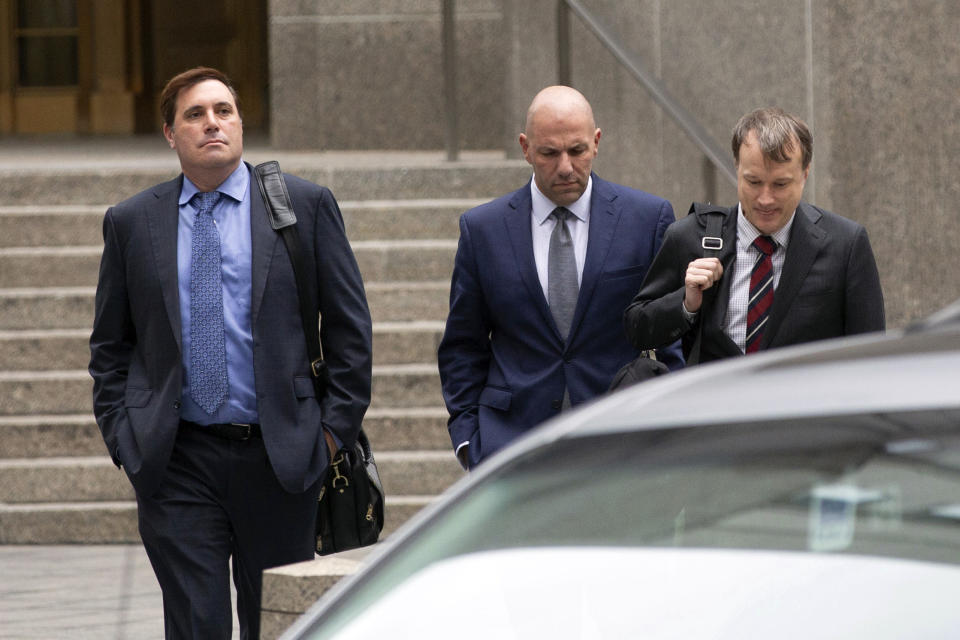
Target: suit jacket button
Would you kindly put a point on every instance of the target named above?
(176, 405)
(556, 405)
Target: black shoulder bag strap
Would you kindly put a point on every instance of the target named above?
(352, 513)
(712, 244)
(284, 220)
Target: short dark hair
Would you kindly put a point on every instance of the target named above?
(185, 80)
(777, 133)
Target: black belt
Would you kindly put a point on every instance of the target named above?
(233, 431)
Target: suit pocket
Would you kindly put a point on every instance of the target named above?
(128, 453)
(495, 398)
(308, 409)
(817, 295)
(137, 398)
(628, 272)
(303, 387)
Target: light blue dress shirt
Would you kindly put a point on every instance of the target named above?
(232, 217)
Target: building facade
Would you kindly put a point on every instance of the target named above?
(877, 82)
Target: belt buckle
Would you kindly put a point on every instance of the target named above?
(245, 427)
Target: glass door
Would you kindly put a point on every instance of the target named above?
(47, 86)
(46, 38)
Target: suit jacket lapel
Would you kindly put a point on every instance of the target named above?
(162, 220)
(517, 221)
(263, 241)
(806, 241)
(604, 216)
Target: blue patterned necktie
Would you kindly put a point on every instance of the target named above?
(208, 353)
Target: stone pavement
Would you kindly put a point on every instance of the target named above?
(82, 592)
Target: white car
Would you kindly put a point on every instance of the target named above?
(810, 492)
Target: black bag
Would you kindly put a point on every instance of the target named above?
(350, 509)
(646, 366)
(640, 370)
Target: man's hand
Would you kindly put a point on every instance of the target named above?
(702, 274)
(331, 444)
(462, 457)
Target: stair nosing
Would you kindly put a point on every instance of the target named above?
(379, 285)
(77, 374)
(83, 250)
(392, 326)
(115, 505)
(40, 418)
(33, 334)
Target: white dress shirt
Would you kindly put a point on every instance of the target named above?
(735, 322)
(542, 226)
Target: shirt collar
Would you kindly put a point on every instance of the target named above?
(747, 233)
(542, 206)
(234, 186)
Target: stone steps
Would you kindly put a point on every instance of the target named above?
(78, 266)
(370, 177)
(57, 486)
(68, 390)
(53, 349)
(72, 225)
(46, 435)
(116, 522)
(96, 479)
(72, 307)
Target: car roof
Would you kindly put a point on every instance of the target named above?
(905, 370)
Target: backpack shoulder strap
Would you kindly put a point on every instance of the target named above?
(713, 218)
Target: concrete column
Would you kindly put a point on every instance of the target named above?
(111, 101)
(368, 74)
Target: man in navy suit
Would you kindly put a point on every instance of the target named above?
(822, 280)
(541, 278)
(202, 383)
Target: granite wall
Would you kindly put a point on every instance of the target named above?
(367, 74)
(877, 82)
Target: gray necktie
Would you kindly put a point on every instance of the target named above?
(562, 285)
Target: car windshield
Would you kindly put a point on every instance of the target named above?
(875, 485)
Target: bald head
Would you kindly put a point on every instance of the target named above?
(558, 101)
(560, 140)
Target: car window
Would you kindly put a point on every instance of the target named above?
(877, 485)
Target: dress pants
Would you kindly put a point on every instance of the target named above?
(220, 502)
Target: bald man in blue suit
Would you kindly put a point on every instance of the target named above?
(507, 362)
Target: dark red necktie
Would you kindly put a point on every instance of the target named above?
(761, 292)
